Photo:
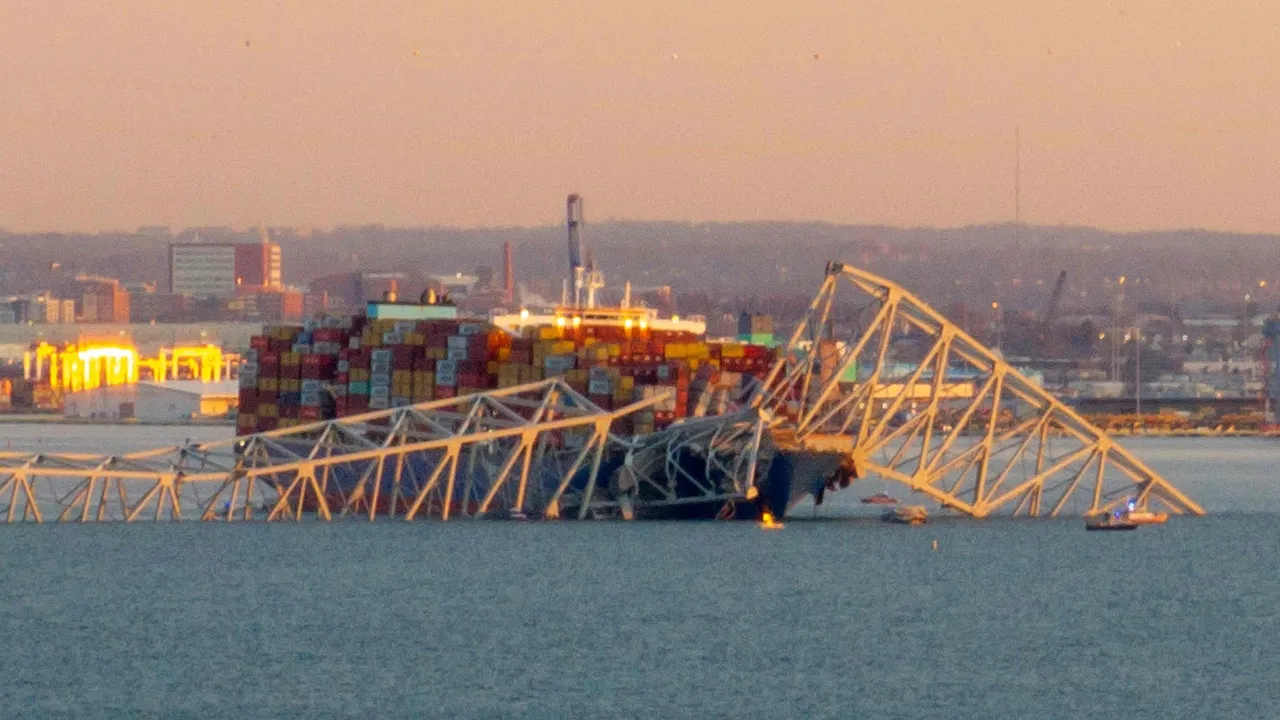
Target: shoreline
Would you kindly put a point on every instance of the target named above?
(51, 419)
(38, 419)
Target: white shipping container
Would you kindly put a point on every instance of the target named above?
(458, 341)
(457, 353)
(470, 328)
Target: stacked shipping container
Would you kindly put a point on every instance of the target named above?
(338, 367)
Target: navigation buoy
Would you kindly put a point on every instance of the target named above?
(935, 546)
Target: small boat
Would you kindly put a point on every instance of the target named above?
(1142, 516)
(907, 515)
(1109, 522)
(880, 498)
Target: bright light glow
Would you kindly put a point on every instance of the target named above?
(1122, 278)
(675, 318)
(99, 353)
(524, 314)
(560, 322)
(644, 324)
(627, 323)
(577, 321)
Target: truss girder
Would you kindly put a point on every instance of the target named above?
(530, 449)
(913, 398)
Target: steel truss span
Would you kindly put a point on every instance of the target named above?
(872, 382)
(876, 374)
(534, 449)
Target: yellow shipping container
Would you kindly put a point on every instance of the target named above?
(268, 410)
(290, 359)
(548, 332)
(504, 354)
(733, 350)
(675, 351)
(269, 383)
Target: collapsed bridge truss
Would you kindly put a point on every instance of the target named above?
(877, 375)
(872, 383)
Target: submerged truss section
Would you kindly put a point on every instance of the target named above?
(532, 450)
(876, 374)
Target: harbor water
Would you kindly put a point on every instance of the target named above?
(834, 616)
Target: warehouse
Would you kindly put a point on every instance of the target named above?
(154, 402)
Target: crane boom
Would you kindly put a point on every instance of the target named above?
(573, 213)
(1055, 299)
(584, 277)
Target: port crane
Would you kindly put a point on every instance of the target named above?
(1005, 447)
(584, 278)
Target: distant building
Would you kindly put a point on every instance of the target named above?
(456, 284)
(351, 290)
(223, 269)
(154, 402)
(105, 302)
(43, 309)
(271, 306)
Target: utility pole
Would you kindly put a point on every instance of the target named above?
(1137, 371)
(1017, 174)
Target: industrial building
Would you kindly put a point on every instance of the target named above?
(223, 269)
(175, 401)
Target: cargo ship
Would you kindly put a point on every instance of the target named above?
(397, 353)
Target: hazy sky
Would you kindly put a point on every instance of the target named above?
(1134, 114)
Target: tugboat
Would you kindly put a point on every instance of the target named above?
(1110, 521)
(907, 515)
(880, 498)
(1142, 516)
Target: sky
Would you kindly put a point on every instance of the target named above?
(1133, 114)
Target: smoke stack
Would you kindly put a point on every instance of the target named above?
(508, 275)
